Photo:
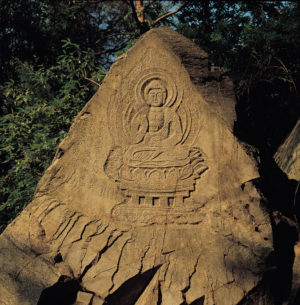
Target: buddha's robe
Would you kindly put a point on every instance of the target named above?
(159, 146)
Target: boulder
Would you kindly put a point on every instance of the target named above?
(150, 199)
(288, 154)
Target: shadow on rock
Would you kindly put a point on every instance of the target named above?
(64, 292)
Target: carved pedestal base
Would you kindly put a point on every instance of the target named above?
(164, 201)
(147, 214)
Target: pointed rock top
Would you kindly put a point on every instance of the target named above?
(149, 198)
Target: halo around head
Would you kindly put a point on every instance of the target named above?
(143, 85)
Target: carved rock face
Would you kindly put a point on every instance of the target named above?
(151, 201)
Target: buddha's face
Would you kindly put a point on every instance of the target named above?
(156, 95)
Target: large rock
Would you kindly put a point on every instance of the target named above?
(149, 199)
(288, 154)
(288, 159)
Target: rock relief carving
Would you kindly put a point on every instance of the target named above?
(157, 170)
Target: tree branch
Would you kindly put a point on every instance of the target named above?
(135, 16)
(89, 79)
(183, 4)
(286, 70)
(139, 8)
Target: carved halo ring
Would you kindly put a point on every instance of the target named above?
(163, 77)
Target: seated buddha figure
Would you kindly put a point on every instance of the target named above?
(156, 168)
(157, 132)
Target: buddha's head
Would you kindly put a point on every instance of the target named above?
(156, 93)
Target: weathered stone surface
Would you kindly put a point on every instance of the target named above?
(288, 155)
(150, 198)
(288, 159)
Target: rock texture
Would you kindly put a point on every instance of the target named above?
(149, 199)
(288, 159)
(288, 155)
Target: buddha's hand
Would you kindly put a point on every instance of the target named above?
(152, 140)
(136, 124)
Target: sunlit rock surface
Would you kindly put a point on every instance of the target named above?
(149, 199)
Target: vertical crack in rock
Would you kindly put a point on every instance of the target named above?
(130, 291)
(212, 290)
(143, 257)
(185, 290)
(15, 276)
(166, 271)
(159, 295)
(225, 255)
(118, 264)
(98, 231)
(58, 232)
(69, 230)
(96, 259)
(110, 242)
(51, 207)
(91, 301)
(83, 230)
(168, 259)
(88, 239)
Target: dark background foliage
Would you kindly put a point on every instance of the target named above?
(54, 54)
